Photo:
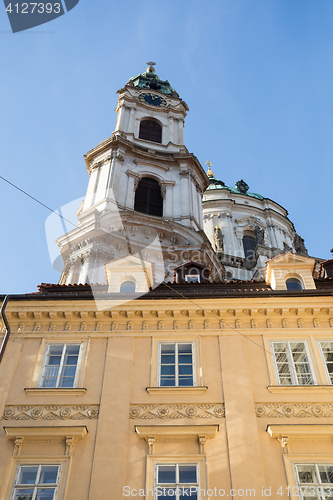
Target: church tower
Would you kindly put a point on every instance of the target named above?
(144, 197)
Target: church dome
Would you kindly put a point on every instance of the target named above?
(150, 80)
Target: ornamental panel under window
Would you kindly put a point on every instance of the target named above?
(36, 482)
(176, 366)
(314, 481)
(292, 363)
(177, 481)
(60, 367)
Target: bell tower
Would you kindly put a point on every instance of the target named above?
(144, 192)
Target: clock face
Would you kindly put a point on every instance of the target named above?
(152, 99)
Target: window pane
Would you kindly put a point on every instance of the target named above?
(293, 284)
(183, 381)
(187, 474)
(45, 494)
(48, 475)
(66, 382)
(306, 474)
(188, 493)
(168, 381)
(185, 370)
(326, 473)
(68, 371)
(167, 369)
(168, 348)
(185, 358)
(23, 494)
(168, 359)
(166, 474)
(28, 475)
(184, 348)
(167, 493)
(49, 382)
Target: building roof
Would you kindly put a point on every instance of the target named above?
(149, 80)
(240, 188)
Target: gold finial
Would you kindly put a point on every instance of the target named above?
(210, 172)
(151, 68)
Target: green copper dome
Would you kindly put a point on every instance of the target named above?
(240, 187)
(149, 80)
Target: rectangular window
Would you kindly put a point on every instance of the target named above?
(177, 481)
(314, 481)
(327, 352)
(36, 482)
(176, 364)
(292, 363)
(60, 365)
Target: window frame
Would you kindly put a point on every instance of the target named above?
(176, 364)
(317, 484)
(293, 372)
(38, 464)
(301, 459)
(77, 371)
(319, 341)
(177, 484)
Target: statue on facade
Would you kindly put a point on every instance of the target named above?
(261, 236)
(218, 239)
(299, 245)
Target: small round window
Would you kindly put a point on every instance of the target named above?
(127, 287)
(294, 284)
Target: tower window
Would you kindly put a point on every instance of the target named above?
(148, 198)
(249, 244)
(150, 131)
(293, 284)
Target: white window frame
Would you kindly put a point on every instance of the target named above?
(291, 362)
(301, 486)
(55, 486)
(189, 278)
(323, 359)
(63, 344)
(176, 364)
(177, 484)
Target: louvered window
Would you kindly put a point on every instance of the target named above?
(148, 198)
(150, 131)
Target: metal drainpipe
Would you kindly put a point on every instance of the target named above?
(4, 319)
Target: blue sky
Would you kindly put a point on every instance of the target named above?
(257, 76)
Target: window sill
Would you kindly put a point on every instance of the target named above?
(42, 391)
(177, 390)
(300, 389)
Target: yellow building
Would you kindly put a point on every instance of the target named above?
(192, 387)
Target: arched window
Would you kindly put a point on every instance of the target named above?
(293, 284)
(148, 198)
(127, 287)
(249, 244)
(150, 131)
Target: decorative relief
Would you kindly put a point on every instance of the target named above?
(176, 325)
(269, 323)
(331, 322)
(149, 412)
(284, 323)
(48, 412)
(67, 326)
(191, 325)
(206, 324)
(98, 326)
(144, 325)
(129, 325)
(299, 410)
(254, 323)
(83, 326)
(300, 323)
(221, 324)
(52, 326)
(36, 327)
(160, 325)
(316, 323)
(238, 324)
(114, 326)
(21, 327)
